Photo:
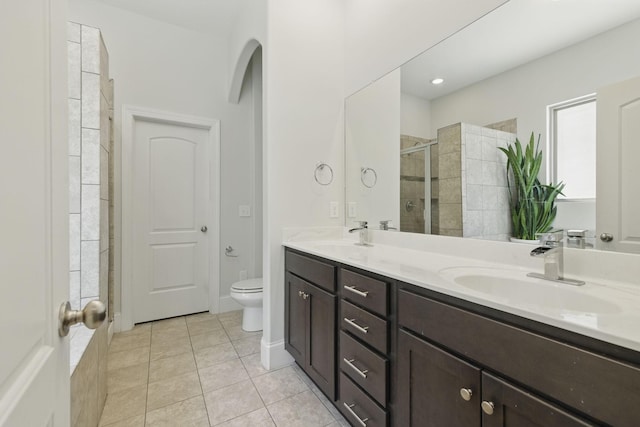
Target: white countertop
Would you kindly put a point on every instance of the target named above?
(603, 309)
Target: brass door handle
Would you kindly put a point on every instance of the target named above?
(92, 315)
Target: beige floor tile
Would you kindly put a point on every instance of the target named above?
(259, 418)
(302, 410)
(198, 342)
(168, 323)
(253, 365)
(127, 342)
(169, 334)
(137, 421)
(123, 359)
(168, 349)
(247, 346)
(327, 404)
(222, 375)
(173, 366)
(204, 327)
(303, 376)
(124, 404)
(198, 317)
(190, 412)
(230, 315)
(235, 332)
(232, 401)
(173, 390)
(140, 329)
(278, 385)
(124, 378)
(213, 355)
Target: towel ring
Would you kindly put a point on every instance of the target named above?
(369, 177)
(322, 177)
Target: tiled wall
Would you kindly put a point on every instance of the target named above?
(473, 196)
(485, 196)
(90, 141)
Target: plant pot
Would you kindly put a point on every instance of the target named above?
(525, 241)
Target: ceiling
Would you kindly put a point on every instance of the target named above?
(208, 16)
(514, 34)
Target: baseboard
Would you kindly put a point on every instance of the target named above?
(228, 304)
(273, 355)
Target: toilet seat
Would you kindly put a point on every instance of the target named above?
(248, 286)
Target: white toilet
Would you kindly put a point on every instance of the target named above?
(248, 293)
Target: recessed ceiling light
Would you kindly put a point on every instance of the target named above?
(437, 81)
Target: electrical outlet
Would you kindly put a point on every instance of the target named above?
(351, 207)
(244, 210)
(243, 274)
(333, 210)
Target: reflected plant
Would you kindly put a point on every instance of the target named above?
(532, 203)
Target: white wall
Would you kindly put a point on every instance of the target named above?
(372, 139)
(165, 67)
(415, 116)
(381, 35)
(526, 91)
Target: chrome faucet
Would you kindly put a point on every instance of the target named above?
(384, 225)
(364, 233)
(553, 253)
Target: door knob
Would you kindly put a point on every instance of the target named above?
(466, 393)
(204, 228)
(487, 407)
(92, 315)
(606, 237)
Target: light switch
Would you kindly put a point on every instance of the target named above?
(244, 210)
(333, 210)
(352, 211)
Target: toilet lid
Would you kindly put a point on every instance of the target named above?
(248, 285)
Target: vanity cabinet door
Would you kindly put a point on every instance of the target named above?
(431, 384)
(295, 318)
(321, 343)
(505, 405)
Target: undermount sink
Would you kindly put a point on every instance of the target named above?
(513, 286)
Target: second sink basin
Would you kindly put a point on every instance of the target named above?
(513, 286)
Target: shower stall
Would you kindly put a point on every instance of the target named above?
(418, 185)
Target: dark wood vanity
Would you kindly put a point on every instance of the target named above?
(389, 353)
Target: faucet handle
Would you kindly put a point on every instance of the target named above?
(553, 236)
(362, 224)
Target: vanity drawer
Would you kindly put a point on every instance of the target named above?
(364, 325)
(603, 388)
(365, 291)
(316, 272)
(365, 367)
(358, 407)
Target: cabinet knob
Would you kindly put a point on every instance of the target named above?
(487, 407)
(300, 293)
(466, 393)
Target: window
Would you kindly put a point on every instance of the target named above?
(572, 146)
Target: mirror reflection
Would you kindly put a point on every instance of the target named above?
(432, 128)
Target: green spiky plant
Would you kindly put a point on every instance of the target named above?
(533, 206)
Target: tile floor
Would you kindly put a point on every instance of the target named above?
(204, 370)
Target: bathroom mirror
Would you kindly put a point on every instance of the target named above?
(434, 147)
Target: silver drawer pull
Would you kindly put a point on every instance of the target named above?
(351, 322)
(363, 422)
(349, 362)
(357, 291)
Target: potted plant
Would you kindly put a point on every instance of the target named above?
(532, 203)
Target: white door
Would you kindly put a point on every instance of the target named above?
(618, 151)
(34, 257)
(171, 231)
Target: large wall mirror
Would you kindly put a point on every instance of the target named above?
(422, 142)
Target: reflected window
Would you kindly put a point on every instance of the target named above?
(572, 143)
